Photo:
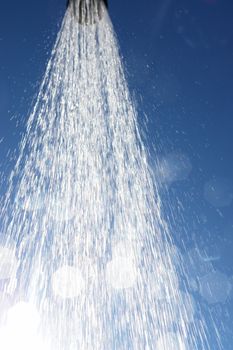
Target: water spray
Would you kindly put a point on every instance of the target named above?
(88, 11)
(86, 257)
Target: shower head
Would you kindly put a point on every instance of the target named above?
(88, 12)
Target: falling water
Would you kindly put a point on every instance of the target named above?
(86, 257)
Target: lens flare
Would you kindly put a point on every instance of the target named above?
(21, 330)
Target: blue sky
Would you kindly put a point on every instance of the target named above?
(178, 56)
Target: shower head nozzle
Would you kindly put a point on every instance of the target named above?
(88, 12)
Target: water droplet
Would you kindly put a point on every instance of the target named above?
(68, 282)
(121, 273)
(215, 287)
(173, 167)
(219, 192)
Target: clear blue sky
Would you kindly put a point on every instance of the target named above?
(179, 61)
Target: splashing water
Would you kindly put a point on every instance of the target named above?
(86, 257)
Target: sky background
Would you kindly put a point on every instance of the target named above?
(178, 57)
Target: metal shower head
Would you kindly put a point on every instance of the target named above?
(88, 12)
